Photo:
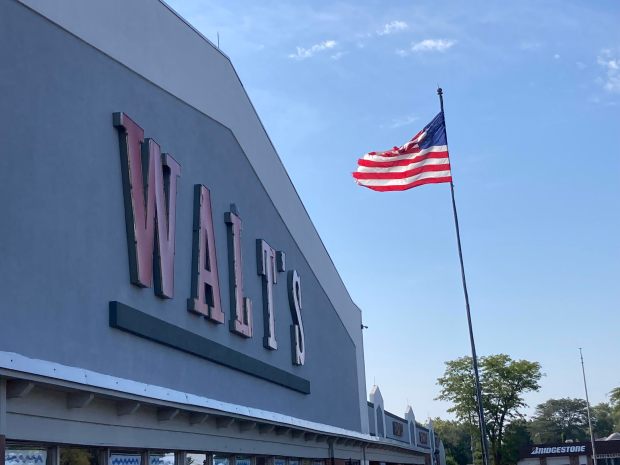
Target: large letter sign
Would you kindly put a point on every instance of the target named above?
(150, 200)
(297, 328)
(266, 261)
(205, 298)
(241, 307)
(150, 181)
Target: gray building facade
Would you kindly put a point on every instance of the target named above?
(165, 296)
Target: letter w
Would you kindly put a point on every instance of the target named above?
(150, 190)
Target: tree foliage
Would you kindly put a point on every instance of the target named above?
(614, 399)
(555, 420)
(503, 382)
(602, 420)
(456, 438)
(77, 456)
(517, 436)
(558, 420)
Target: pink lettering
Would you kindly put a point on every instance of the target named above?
(297, 328)
(150, 205)
(266, 261)
(241, 307)
(205, 299)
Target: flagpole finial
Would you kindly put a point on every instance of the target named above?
(440, 94)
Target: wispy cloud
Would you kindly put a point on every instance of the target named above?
(338, 55)
(303, 53)
(432, 45)
(611, 64)
(392, 27)
(426, 45)
(403, 121)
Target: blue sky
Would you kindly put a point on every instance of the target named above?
(532, 95)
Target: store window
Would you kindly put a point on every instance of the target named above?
(80, 456)
(221, 460)
(192, 458)
(15, 455)
(125, 458)
(243, 460)
(161, 458)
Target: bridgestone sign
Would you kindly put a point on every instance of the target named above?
(558, 450)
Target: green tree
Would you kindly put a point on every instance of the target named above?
(558, 420)
(503, 382)
(456, 438)
(516, 437)
(451, 460)
(77, 456)
(602, 420)
(614, 399)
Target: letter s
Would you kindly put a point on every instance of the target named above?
(297, 328)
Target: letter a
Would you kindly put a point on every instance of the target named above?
(205, 298)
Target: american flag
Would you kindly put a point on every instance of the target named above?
(422, 160)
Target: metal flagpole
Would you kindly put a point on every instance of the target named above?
(583, 370)
(483, 442)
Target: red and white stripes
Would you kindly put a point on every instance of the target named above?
(403, 168)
